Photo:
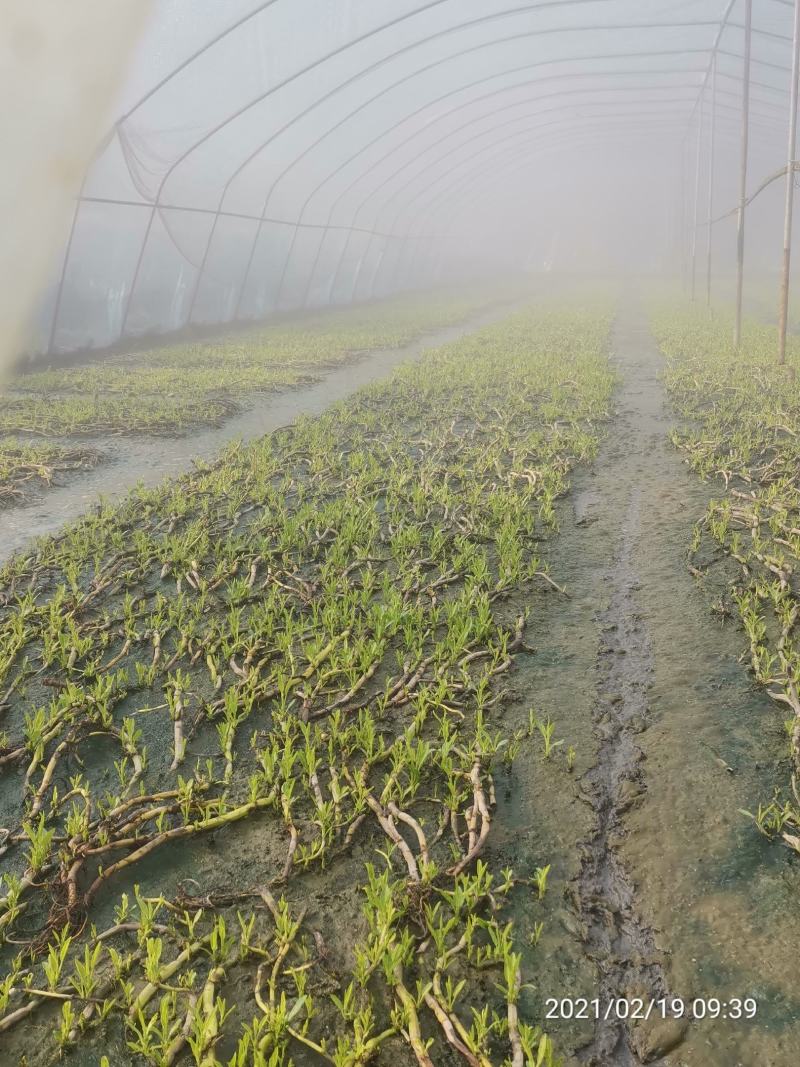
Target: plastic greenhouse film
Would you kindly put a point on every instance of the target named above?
(62, 65)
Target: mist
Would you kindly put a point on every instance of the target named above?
(400, 534)
(263, 159)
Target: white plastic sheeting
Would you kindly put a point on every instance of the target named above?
(296, 153)
(55, 93)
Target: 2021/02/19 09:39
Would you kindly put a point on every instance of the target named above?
(735, 1008)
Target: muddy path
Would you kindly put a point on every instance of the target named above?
(132, 460)
(662, 888)
(721, 900)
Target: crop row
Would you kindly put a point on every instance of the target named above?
(297, 653)
(741, 427)
(23, 463)
(169, 389)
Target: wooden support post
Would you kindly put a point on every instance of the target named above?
(711, 161)
(684, 219)
(745, 136)
(783, 314)
(696, 201)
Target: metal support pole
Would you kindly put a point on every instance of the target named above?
(711, 160)
(204, 262)
(696, 202)
(748, 28)
(51, 342)
(684, 216)
(791, 150)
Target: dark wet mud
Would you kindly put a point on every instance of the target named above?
(130, 461)
(660, 887)
(721, 900)
(616, 935)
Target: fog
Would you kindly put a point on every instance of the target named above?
(399, 645)
(300, 153)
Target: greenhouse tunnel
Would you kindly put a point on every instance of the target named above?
(394, 145)
(399, 533)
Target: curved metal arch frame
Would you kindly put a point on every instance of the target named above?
(370, 232)
(447, 193)
(444, 158)
(317, 63)
(605, 89)
(391, 226)
(461, 205)
(378, 64)
(440, 118)
(460, 107)
(405, 118)
(470, 195)
(727, 75)
(470, 103)
(411, 14)
(355, 219)
(533, 33)
(518, 160)
(722, 26)
(714, 50)
(493, 17)
(453, 92)
(489, 161)
(570, 59)
(488, 167)
(242, 110)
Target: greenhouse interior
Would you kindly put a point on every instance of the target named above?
(400, 533)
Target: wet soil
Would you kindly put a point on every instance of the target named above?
(721, 900)
(130, 461)
(658, 884)
(670, 890)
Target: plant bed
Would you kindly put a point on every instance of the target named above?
(253, 720)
